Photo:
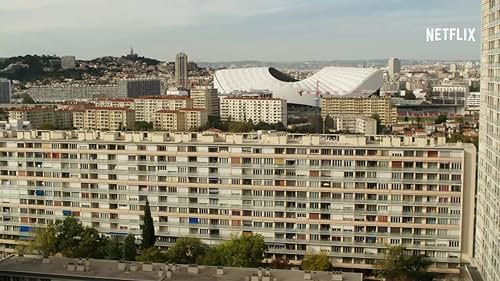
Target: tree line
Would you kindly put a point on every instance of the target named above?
(70, 238)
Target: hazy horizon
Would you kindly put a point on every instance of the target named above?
(238, 30)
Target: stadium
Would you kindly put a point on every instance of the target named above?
(329, 81)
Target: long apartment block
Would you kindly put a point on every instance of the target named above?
(349, 196)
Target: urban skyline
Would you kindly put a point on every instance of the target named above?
(349, 139)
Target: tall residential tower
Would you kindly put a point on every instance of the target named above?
(5, 90)
(181, 70)
(487, 242)
(394, 66)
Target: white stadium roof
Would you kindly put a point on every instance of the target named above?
(332, 81)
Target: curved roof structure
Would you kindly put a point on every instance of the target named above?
(332, 81)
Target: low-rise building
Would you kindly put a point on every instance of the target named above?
(186, 119)
(29, 268)
(195, 118)
(449, 95)
(355, 124)
(360, 106)
(68, 62)
(139, 87)
(145, 107)
(72, 92)
(169, 120)
(43, 117)
(104, 118)
(257, 109)
(114, 102)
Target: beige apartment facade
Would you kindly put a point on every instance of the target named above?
(207, 98)
(187, 119)
(145, 108)
(104, 118)
(348, 196)
(361, 106)
(170, 121)
(43, 116)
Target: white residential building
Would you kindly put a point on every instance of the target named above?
(267, 110)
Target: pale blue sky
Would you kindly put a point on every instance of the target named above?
(225, 30)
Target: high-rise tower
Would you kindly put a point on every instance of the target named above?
(394, 66)
(487, 241)
(181, 70)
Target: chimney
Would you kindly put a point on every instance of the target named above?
(87, 264)
(267, 272)
(193, 269)
(133, 266)
(80, 267)
(122, 266)
(147, 266)
(337, 276)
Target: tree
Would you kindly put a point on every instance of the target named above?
(397, 265)
(187, 250)
(243, 251)
(44, 241)
(441, 119)
(129, 248)
(113, 249)
(91, 245)
(68, 236)
(409, 95)
(280, 262)
(316, 262)
(143, 126)
(47, 126)
(148, 229)
(152, 254)
(27, 99)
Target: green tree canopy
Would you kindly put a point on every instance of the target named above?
(143, 126)
(91, 244)
(398, 265)
(148, 229)
(114, 249)
(27, 99)
(441, 119)
(68, 236)
(316, 262)
(187, 250)
(242, 251)
(152, 254)
(129, 248)
(45, 241)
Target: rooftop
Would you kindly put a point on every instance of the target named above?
(74, 269)
(260, 138)
(167, 97)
